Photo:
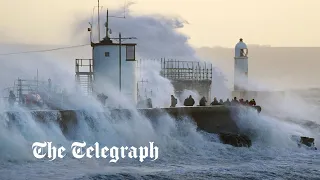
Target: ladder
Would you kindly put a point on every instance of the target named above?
(84, 75)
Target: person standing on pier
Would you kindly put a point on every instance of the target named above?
(189, 101)
(203, 101)
(12, 98)
(173, 101)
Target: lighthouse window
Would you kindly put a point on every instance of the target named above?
(130, 53)
(241, 52)
(106, 54)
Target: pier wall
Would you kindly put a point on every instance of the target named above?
(213, 119)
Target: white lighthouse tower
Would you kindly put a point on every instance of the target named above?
(240, 70)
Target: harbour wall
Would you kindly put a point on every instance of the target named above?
(212, 119)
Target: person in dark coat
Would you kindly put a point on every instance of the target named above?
(173, 101)
(189, 101)
(12, 98)
(203, 101)
(214, 102)
(149, 103)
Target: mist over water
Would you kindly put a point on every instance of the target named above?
(184, 151)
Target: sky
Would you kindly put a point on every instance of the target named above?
(289, 23)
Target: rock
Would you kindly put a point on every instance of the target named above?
(307, 141)
(236, 140)
(303, 141)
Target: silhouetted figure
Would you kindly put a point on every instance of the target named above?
(221, 102)
(227, 102)
(49, 84)
(173, 101)
(12, 98)
(214, 102)
(234, 101)
(252, 102)
(247, 102)
(102, 98)
(149, 103)
(189, 101)
(203, 101)
(241, 101)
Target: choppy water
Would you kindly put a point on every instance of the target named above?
(185, 153)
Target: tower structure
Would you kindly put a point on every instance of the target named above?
(113, 64)
(240, 69)
(191, 75)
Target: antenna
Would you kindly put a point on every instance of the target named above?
(107, 25)
(99, 20)
(124, 10)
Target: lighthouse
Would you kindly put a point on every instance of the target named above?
(240, 69)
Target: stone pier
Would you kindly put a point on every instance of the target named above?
(212, 119)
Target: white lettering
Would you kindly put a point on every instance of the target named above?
(154, 154)
(133, 152)
(38, 150)
(77, 149)
(143, 153)
(104, 150)
(114, 154)
(97, 151)
(60, 151)
(53, 152)
(89, 150)
(123, 151)
(80, 150)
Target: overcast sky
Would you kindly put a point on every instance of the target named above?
(211, 22)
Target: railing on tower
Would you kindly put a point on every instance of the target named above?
(84, 75)
(192, 75)
(186, 70)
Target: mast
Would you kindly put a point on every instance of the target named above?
(107, 25)
(99, 20)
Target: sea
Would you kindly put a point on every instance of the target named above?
(184, 151)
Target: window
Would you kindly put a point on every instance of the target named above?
(130, 53)
(241, 53)
(106, 54)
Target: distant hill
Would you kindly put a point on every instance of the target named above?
(283, 67)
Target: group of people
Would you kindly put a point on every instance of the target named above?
(32, 98)
(190, 102)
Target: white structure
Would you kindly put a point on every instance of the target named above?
(113, 66)
(107, 64)
(240, 69)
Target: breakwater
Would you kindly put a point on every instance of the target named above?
(213, 119)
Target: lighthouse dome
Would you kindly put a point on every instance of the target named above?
(241, 49)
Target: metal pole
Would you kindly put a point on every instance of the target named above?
(120, 61)
(107, 25)
(37, 80)
(99, 20)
